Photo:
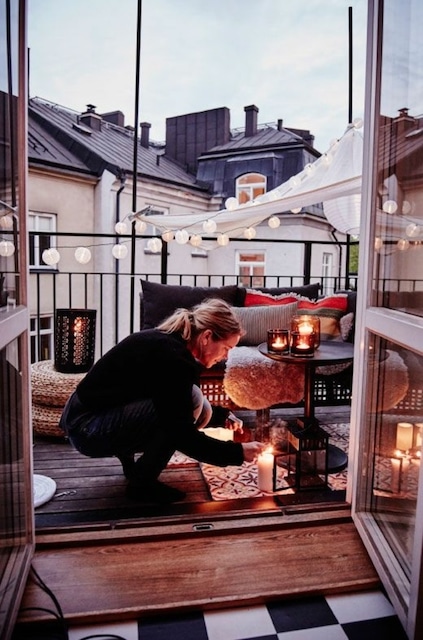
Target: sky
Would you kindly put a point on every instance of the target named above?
(290, 58)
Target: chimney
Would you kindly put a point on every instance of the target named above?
(90, 118)
(145, 134)
(280, 124)
(115, 117)
(250, 120)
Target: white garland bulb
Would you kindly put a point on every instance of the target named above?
(155, 245)
(209, 226)
(121, 228)
(119, 251)
(231, 204)
(168, 235)
(6, 222)
(181, 236)
(82, 255)
(140, 226)
(222, 240)
(7, 248)
(51, 256)
(196, 240)
(274, 222)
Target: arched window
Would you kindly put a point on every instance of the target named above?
(250, 186)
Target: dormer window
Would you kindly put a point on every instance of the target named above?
(250, 186)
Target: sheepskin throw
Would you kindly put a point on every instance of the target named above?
(392, 374)
(254, 381)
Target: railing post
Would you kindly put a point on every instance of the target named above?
(307, 262)
(163, 263)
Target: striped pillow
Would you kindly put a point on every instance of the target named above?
(330, 310)
(258, 319)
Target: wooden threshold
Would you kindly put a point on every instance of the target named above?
(219, 563)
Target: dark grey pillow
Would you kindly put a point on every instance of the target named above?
(158, 301)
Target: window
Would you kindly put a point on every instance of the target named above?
(250, 186)
(327, 264)
(251, 268)
(43, 223)
(43, 348)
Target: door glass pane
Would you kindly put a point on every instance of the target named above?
(395, 430)
(398, 256)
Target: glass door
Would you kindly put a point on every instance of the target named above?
(387, 412)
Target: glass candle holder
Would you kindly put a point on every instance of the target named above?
(302, 345)
(278, 341)
(306, 324)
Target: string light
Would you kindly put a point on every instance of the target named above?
(140, 226)
(231, 204)
(6, 222)
(196, 240)
(119, 251)
(121, 228)
(390, 206)
(209, 226)
(7, 248)
(412, 230)
(50, 256)
(82, 255)
(222, 240)
(250, 233)
(403, 244)
(168, 235)
(296, 210)
(181, 236)
(154, 245)
(274, 222)
(378, 244)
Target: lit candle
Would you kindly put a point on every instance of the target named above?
(305, 328)
(265, 464)
(404, 436)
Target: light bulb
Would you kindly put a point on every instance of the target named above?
(209, 226)
(231, 204)
(6, 222)
(412, 230)
(7, 248)
(196, 240)
(155, 245)
(406, 207)
(310, 169)
(296, 210)
(403, 244)
(274, 222)
(378, 244)
(358, 123)
(140, 226)
(182, 236)
(222, 240)
(50, 256)
(168, 235)
(82, 255)
(390, 206)
(250, 233)
(121, 228)
(119, 251)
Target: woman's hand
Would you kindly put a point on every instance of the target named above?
(252, 450)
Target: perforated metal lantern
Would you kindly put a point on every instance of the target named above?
(308, 468)
(74, 346)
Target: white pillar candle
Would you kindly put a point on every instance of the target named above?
(404, 436)
(395, 474)
(265, 463)
(419, 426)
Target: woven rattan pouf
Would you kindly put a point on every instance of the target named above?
(50, 391)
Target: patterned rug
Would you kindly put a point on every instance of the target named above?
(229, 483)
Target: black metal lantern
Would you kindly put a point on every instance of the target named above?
(306, 460)
(74, 340)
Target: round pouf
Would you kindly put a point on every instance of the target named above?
(50, 390)
(44, 489)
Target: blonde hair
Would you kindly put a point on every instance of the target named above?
(214, 314)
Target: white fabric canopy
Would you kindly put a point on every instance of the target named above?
(335, 177)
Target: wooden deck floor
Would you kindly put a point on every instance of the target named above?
(91, 492)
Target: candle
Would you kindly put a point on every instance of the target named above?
(395, 474)
(265, 464)
(305, 328)
(278, 340)
(302, 345)
(404, 436)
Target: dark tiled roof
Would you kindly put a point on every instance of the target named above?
(56, 136)
(266, 137)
